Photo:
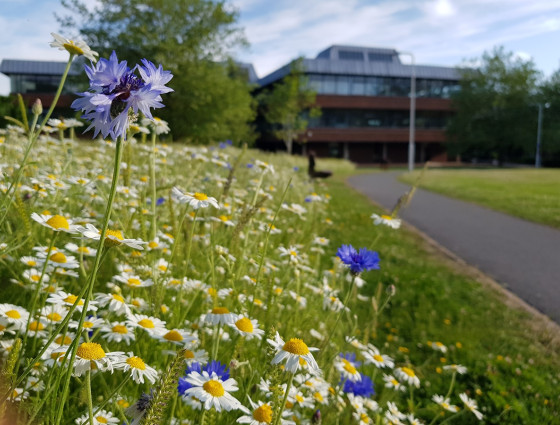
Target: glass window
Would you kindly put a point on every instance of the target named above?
(343, 85)
(358, 87)
(350, 55)
(328, 85)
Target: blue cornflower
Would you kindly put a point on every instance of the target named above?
(218, 368)
(363, 387)
(358, 261)
(115, 89)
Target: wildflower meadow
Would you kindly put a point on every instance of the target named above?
(146, 283)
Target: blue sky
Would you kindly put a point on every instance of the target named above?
(438, 32)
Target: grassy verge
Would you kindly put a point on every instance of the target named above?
(513, 369)
(526, 193)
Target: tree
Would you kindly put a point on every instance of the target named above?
(495, 113)
(550, 98)
(191, 38)
(288, 105)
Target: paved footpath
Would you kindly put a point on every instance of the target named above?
(522, 256)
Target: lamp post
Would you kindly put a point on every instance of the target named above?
(411, 145)
(539, 128)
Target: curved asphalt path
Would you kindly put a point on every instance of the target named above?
(522, 256)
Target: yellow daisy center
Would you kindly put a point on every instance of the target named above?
(58, 257)
(188, 354)
(349, 367)
(123, 403)
(36, 326)
(214, 388)
(120, 329)
(63, 340)
(90, 351)
(31, 263)
(83, 249)
(200, 196)
(13, 314)
(299, 398)
(153, 244)
(318, 396)
(136, 363)
(387, 217)
(378, 358)
(296, 346)
(134, 282)
(58, 222)
(244, 325)
(146, 323)
(220, 310)
(54, 317)
(118, 298)
(394, 382)
(263, 414)
(173, 336)
(117, 236)
(212, 292)
(101, 419)
(73, 50)
(71, 299)
(408, 371)
(88, 324)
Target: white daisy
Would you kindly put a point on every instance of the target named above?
(294, 350)
(91, 356)
(66, 299)
(114, 302)
(194, 200)
(444, 403)
(461, 370)
(249, 328)
(133, 281)
(112, 238)
(372, 356)
(386, 220)
(347, 369)
(79, 48)
(177, 336)
(56, 222)
(81, 250)
(391, 382)
(138, 369)
(118, 332)
(219, 315)
(101, 418)
(212, 391)
(152, 325)
(14, 315)
(471, 405)
(407, 375)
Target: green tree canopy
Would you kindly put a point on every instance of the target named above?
(191, 38)
(496, 116)
(288, 104)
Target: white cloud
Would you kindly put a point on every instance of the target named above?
(437, 31)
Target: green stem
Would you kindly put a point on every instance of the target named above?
(89, 399)
(451, 385)
(453, 416)
(109, 398)
(278, 416)
(93, 276)
(348, 294)
(153, 230)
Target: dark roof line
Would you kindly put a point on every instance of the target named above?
(34, 67)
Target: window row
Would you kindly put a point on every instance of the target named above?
(379, 86)
(360, 118)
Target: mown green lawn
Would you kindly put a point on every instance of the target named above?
(513, 368)
(526, 193)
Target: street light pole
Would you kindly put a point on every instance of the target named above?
(412, 119)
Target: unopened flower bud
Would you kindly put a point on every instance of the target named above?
(392, 290)
(37, 108)
(316, 418)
